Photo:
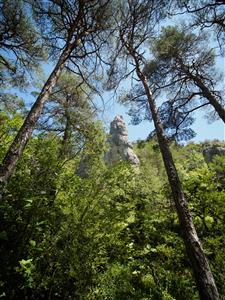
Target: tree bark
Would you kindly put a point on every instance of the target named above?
(66, 135)
(205, 91)
(208, 95)
(16, 149)
(202, 272)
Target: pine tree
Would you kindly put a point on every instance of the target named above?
(74, 33)
(134, 27)
(185, 66)
(21, 46)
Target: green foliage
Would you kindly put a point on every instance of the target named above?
(21, 47)
(111, 235)
(11, 119)
(172, 42)
(175, 42)
(206, 193)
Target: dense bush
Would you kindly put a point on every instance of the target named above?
(112, 235)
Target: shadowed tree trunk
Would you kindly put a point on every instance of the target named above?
(16, 149)
(202, 272)
(76, 24)
(205, 91)
(203, 275)
(66, 134)
(208, 95)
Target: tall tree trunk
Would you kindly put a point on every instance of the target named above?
(205, 91)
(16, 149)
(66, 135)
(203, 275)
(208, 95)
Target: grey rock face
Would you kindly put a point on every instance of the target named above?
(120, 147)
(84, 166)
(211, 151)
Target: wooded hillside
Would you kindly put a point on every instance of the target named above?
(72, 225)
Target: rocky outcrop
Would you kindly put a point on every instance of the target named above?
(119, 149)
(211, 151)
(84, 166)
(119, 146)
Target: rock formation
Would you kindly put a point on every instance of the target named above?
(84, 166)
(119, 149)
(211, 151)
(119, 146)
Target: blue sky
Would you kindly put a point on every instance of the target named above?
(204, 130)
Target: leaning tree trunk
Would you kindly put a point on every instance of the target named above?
(205, 90)
(16, 149)
(208, 95)
(203, 275)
